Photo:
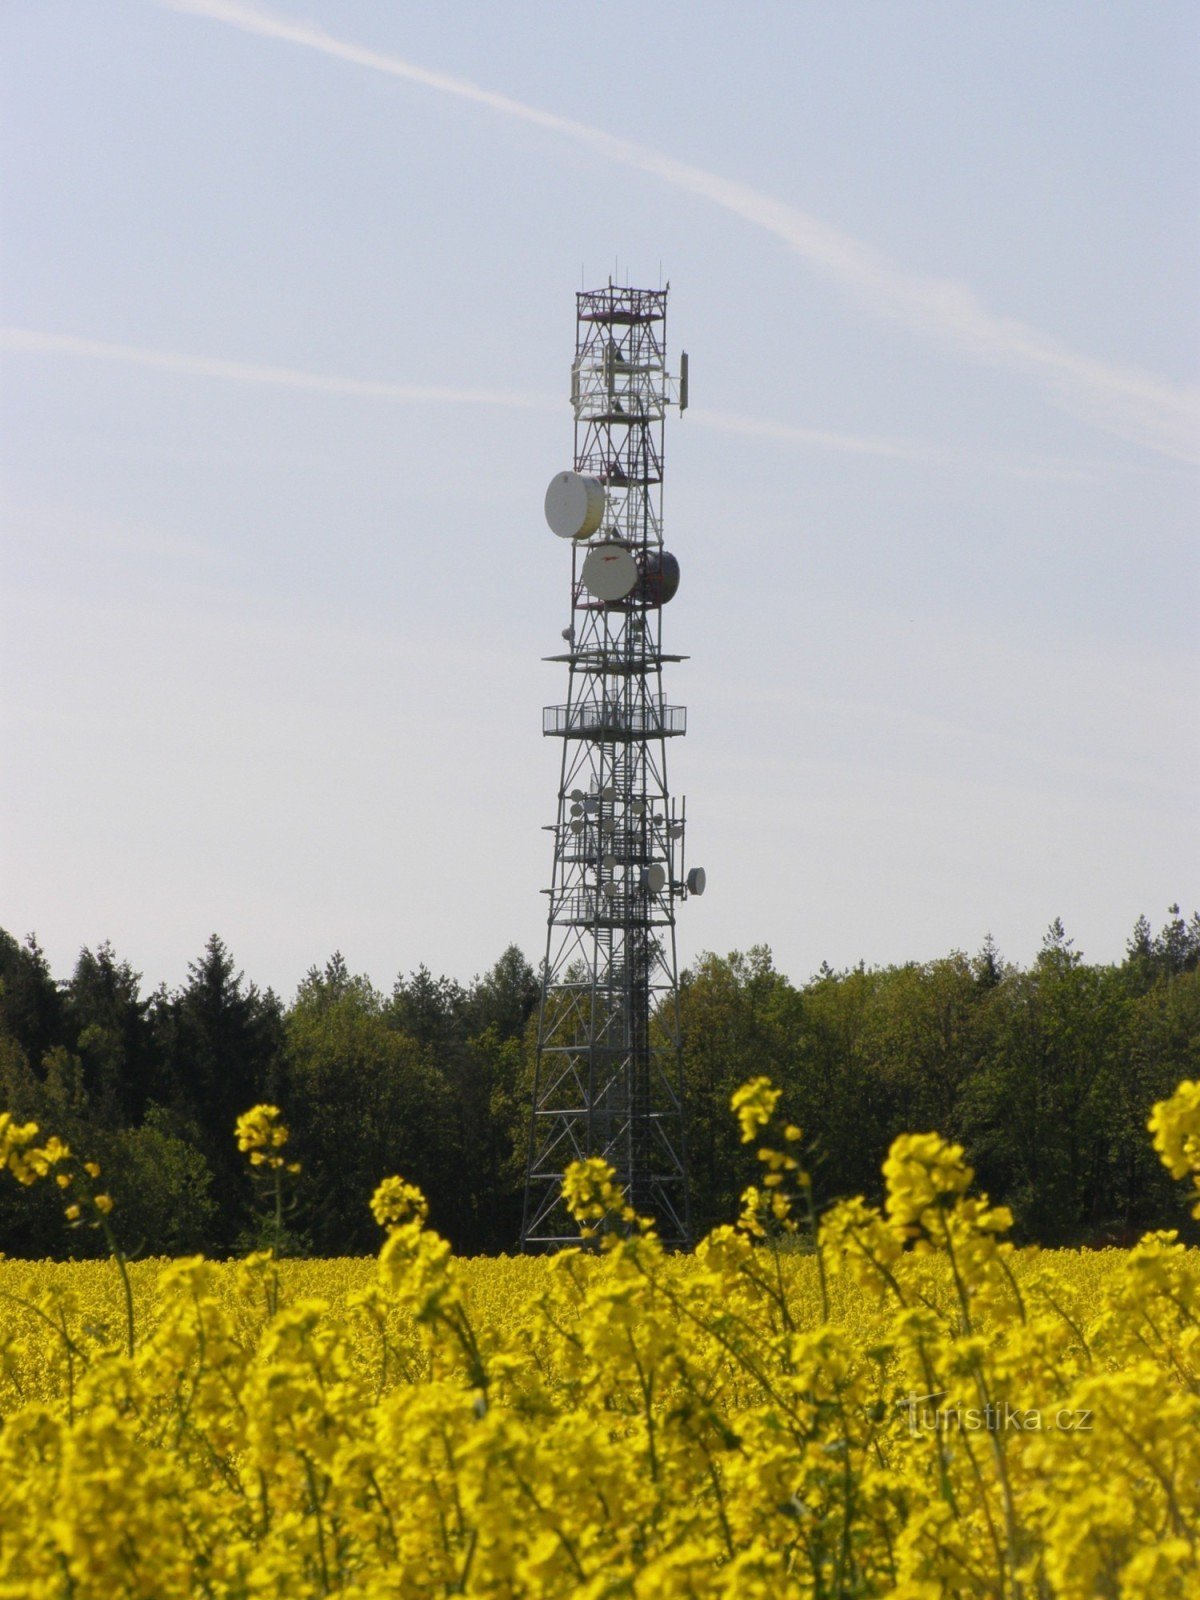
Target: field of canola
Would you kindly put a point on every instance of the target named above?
(897, 1403)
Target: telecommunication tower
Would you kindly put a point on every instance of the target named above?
(608, 1076)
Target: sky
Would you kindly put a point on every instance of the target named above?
(286, 321)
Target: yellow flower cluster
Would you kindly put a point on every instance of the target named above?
(395, 1202)
(891, 1403)
(1175, 1124)
(28, 1162)
(593, 1198)
(754, 1105)
(261, 1135)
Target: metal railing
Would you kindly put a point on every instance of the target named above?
(594, 719)
(633, 846)
(582, 907)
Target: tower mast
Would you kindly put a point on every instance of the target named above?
(608, 1074)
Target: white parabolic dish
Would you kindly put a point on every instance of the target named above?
(574, 505)
(610, 572)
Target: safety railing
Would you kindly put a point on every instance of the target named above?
(595, 719)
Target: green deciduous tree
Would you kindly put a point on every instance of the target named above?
(162, 1187)
(736, 1014)
(363, 1101)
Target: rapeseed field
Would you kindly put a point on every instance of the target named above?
(872, 1402)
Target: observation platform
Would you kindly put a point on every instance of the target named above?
(589, 719)
(621, 307)
(591, 847)
(612, 663)
(589, 908)
(615, 416)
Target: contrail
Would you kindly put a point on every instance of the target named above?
(1136, 406)
(892, 448)
(31, 341)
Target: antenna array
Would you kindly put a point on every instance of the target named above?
(608, 1078)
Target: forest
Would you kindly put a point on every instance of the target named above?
(1045, 1074)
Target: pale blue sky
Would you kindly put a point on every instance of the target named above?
(287, 311)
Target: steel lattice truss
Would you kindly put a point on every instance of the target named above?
(608, 1074)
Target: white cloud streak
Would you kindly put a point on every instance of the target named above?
(1137, 406)
(29, 341)
(35, 342)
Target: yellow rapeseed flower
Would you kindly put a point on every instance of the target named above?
(261, 1134)
(1175, 1124)
(395, 1202)
(737, 1423)
(754, 1106)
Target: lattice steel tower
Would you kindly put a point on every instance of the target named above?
(608, 1078)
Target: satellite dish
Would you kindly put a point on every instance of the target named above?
(696, 880)
(577, 796)
(591, 804)
(610, 889)
(638, 807)
(610, 572)
(574, 505)
(576, 809)
(676, 830)
(660, 578)
(607, 825)
(576, 824)
(608, 792)
(653, 878)
(610, 861)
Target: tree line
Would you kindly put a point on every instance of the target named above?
(1045, 1074)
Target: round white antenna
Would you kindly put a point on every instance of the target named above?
(653, 878)
(610, 572)
(574, 505)
(696, 880)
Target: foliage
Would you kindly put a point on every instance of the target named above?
(913, 1408)
(162, 1186)
(366, 1097)
(1045, 1076)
